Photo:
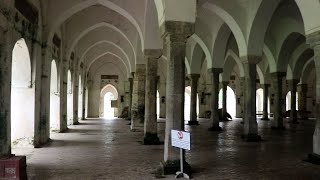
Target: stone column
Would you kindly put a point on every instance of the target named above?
(214, 99)
(265, 102)
(250, 119)
(138, 98)
(75, 89)
(293, 113)
(5, 92)
(130, 97)
(175, 35)
(314, 41)
(224, 100)
(63, 97)
(277, 79)
(240, 93)
(150, 123)
(193, 106)
(302, 100)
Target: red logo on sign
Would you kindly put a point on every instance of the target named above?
(180, 135)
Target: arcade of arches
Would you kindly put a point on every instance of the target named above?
(86, 85)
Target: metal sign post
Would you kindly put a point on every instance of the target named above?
(181, 139)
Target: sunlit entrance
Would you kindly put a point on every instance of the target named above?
(231, 101)
(54, 99)
(22, 97)
(108, 102)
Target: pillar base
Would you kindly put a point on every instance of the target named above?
(171, 167)
(193, 123)
(313, 158)
(251, 137)
(151, 139)
(278, 128)
(14, 167)
(215, 128)
(294, 122)
(265, 119)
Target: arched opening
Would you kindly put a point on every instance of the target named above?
(259, 101)
(289, 99)
(69, 99)
(187, 103)
(109, 102)
(231, 101)
(158, 104)
(54, 98)
(80, 98)
(22, 97)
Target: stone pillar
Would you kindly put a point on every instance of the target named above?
(138, 98)
(84, 89)
(130, 97)
(214, 99)
(314, 41)
(302, 100)
(240, 93)
(250, 119)
(63, 97)
(193, 106)
(277, 79)
(293, 112)
(265, 102)
(5, 92)
(224, 100)
(75, 89)
(175, 35)
(150, 123)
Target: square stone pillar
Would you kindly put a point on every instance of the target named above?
(250, 119)
(265, 102)
(240, 94)
(138, 98)
(130, 96)
(75, 89)
(175, 35)
(302, 100)
(150, 123)
(63, 96)
(5, 94)
(277, 79)
(193, 105)
(215, 99)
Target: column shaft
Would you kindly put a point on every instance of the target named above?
(224, 100)
(138, 98)
(250, 120)
(293, 87)
(193, 105)
(130, 98)
(265, 102)
(277, 79)
(150, 124)
(214, 100)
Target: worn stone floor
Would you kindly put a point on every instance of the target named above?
(106, 149)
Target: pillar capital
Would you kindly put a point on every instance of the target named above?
(193, 76)
(225, 83)
(251, 59)
(215, 70)
(153, 53)
(293, 82)
(177, 30)
(278, 74)
(314, 39)
(302, 87)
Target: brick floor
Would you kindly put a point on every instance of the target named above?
(106, 149)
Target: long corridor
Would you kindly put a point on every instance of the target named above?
(106, 149)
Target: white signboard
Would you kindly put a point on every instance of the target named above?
(180, 139)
